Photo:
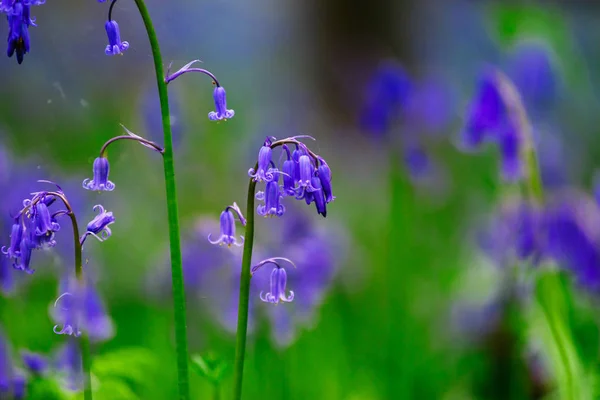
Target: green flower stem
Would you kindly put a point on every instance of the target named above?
(550, 288)
(178, 288)
(242, 325)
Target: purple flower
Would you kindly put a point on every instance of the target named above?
(80, 308)
(305, 181)
(13, 251)
(25, 249)
(486, 112)
(572, 239)
(277, 283)
(272, 198)
(228, 227)
(44, 226)
(98, 227)
(318, 196)
(6, 371)
(386, 94)
(221, 113)
(18, 35)
(100, 180)
(324, 175)
(34, 362)
(264, 172)
(115, 46)
(288, 170)
(510, 147)
(68, 362)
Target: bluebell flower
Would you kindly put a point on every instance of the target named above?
(305, 181)
(572, 239)
(221, 112)
(44, 225)
(318, 196)
(272, 198)
(531, 66)
(485, 114)
(68, 314)
(100, 180)
(277, 283)
(115, 45)
(289, 170)
(19, 387)
(510, 148)
(18, 35)
(16, 235)
(324, 175)
(98, 227)
(68, 363)
(386, 94)
(264, 171)
(34, 362)
(228, 227)
(80, 309)
(22, 263)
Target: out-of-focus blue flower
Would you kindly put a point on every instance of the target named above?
(272, 198)
(228, 227)
(221, 112)
(19, 21)
(6, 372)
(115, 45)
(430, 107)
(98, 227)
(100, 180)
(514, 233)
(485, 114)
(264, 171)
(80, 308)
(386, 94)
(34, 362)
(68, 363)
(510, 147)
(531, 67)
(572, 238)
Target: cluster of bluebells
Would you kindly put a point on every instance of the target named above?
(18, 15)
(304, 175)
(34, 228)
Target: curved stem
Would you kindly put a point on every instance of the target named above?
(110, 9)
(179, 306)
(170, 78)
(127, 137)
(242, 325)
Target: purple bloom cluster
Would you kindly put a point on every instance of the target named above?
(12, 383)
(18, 14)
(563, 232)
(306, 176)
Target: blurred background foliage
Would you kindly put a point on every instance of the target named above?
(407, 303)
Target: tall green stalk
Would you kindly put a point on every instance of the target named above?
(178, 288)
(242, 324)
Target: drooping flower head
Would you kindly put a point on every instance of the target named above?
(80, 308)
(497, 114)
(100, 180)
(98, 227)
(278, 281)
(272, 197)
(115, 45)
(19, 21)
(221, 112)
(386, 94)
(228, 226)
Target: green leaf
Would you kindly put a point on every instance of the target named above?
(210, 367)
